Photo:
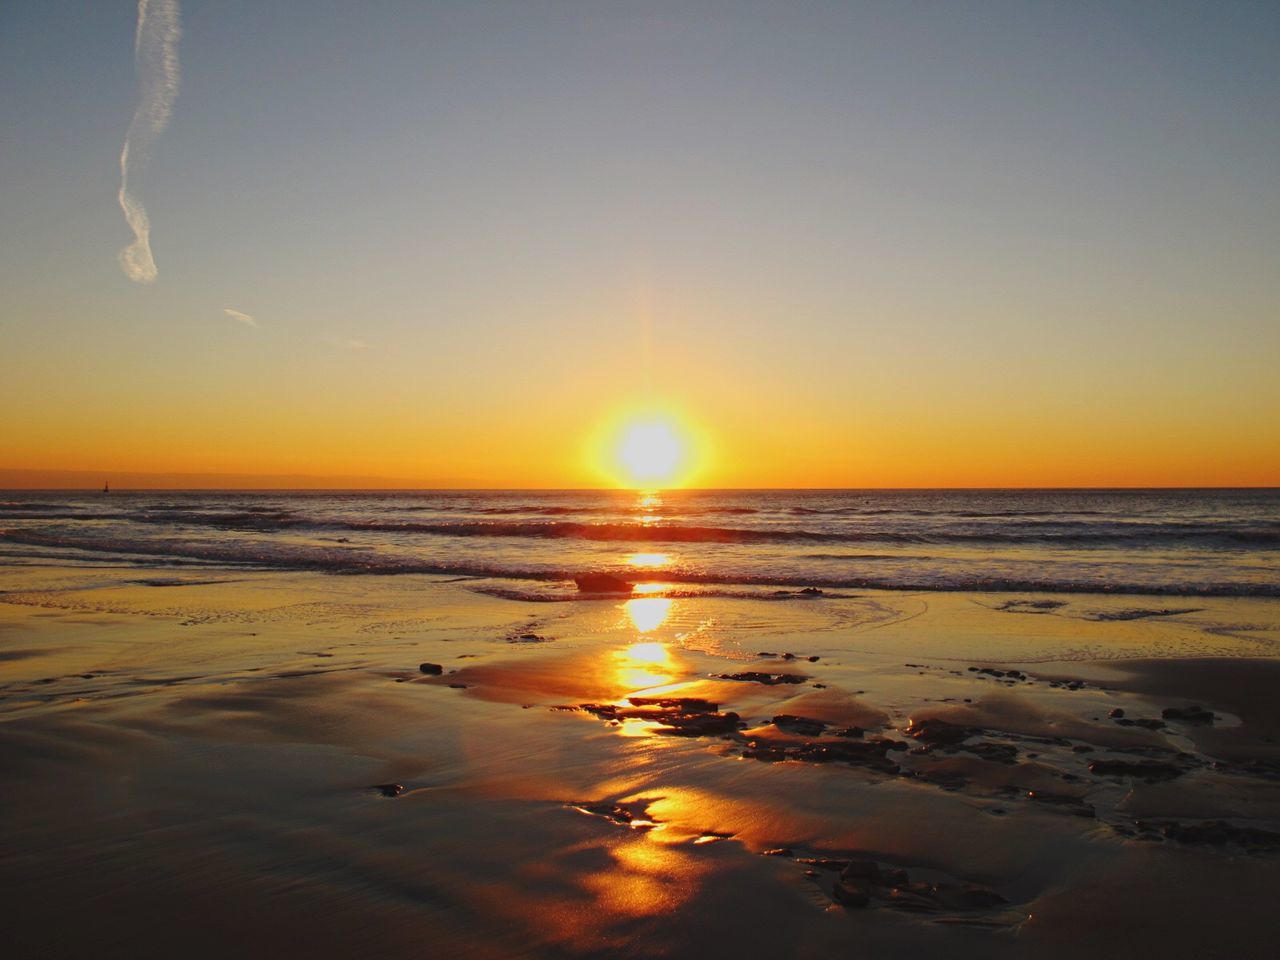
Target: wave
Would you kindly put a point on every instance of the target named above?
(578, 511)
(355, 561)
(1257, 535)
(663, 532)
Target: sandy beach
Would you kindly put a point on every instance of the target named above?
(216, 762)
(640, 480)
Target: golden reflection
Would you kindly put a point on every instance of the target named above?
(646, 878)
(649, 560)
(650, 501)
(644, 665)
(648, 613)
(648, 653)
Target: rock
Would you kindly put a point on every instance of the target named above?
(1116, 714)
(768, 679)
(764, 751)
(851, 894)
(999, 674)
(864, 871)
(699, 724)
(801, 725)
(1149, 770)
(686, 704)
(1193, 714)
(624, 815)
(811, 592)
(933, 730)
(988, 750)
(872, 754)
(857, 881)
(602, 583)
(678, 716)
(389, 789)
(431, 669)
(1147, 723)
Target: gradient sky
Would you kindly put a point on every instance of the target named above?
(851, 244)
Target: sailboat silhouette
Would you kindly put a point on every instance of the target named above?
(105, 487)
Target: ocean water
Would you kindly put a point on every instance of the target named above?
(532, 543)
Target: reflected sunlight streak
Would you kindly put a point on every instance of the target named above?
(649, 560)
(644, 665)
(648, 614)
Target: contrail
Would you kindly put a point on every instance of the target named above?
(244, 318)
(155, 50)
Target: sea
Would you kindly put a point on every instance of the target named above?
(533, 544)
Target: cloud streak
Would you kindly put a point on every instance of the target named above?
(155, 51)
(244, 318)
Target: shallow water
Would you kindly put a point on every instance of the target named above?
(532, 543)
(192, 759)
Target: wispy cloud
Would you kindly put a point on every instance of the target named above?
(244, 318)
(155, 50)
(346, 343)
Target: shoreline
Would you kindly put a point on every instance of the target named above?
(223, 739)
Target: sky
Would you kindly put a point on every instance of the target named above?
(456, 244)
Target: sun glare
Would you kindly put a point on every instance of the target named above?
(647, 614)
(648, 448)
(650, 452)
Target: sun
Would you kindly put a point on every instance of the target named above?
(647, 447)
(650, 452)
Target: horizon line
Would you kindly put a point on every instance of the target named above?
(607, 489)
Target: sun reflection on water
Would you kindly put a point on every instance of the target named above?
(646, 878)
(649, 561)
(648, 613)
(644, 665)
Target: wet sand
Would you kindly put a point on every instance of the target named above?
(213, 762)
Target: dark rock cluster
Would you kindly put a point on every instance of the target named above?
(679, 716)
(768, 679)
(864, 882)
(1195, 715)
(872, 754)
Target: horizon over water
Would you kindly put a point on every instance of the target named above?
(529, 544)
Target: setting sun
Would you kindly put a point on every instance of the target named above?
(650, 452)
(648, 448)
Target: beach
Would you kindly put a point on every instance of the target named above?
(640, 481)
(255, 761)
